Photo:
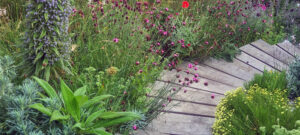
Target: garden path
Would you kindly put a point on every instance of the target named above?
(194, 115)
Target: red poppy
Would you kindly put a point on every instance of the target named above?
(185, 4)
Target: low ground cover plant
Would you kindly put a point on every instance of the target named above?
(270, 80)
(293, 78)
(244, 112)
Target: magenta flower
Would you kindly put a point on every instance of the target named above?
(164, 105)
(206, 83)
(154, 63)
(232, 3)
(166, 9)
(157, 1)
(158, 44)
(183, 46)
(165, 33)
(146, 20)
(184, 23)
(124, 92)
(175, 55)
(196, 68)
(140, 71)
(174, 89)
(264, 21)
(190, 66)
(137, 63)
(263, 7)
(206, 42)
(116, 40)
(196, 75)
(172, 43)
(185, 91)
(176, 13)
(212, 96)
(134, 127)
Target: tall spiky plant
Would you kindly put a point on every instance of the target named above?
(46, 46)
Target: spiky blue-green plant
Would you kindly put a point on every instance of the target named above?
(293, 78)
(46, 46)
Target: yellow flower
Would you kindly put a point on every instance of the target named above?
(112, 70)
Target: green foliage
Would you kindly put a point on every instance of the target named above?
(271, 36)
(293, 77)
(228, 53)
(279, 130)
(269, 80)
(16, 117)
(15, 8)
(85, 114)
(244, 112)
(46, 47)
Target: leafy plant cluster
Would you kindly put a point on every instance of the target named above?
(246, 111)
(46, 45)
(293, 77)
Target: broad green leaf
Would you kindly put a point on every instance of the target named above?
(57, 30)
(117, 121)
(95, 100)
(42, 34)
(39, 55)
(46, 17)
(80, 91)
(38, 68)
(60, 7)
(39, 6)
(69, 101)
(40, 107)
(81, 99)
(98, 131)
(112, 115)
(79, 125)
(56, 51)
(93, 116)
(46, 86)
(56, 115)
(47, 73)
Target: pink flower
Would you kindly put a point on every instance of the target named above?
(263, 7)
(134, 127)
(124, 92)
(206, 83)
(190, 66)
(158, 44)
(185, 91)
(206, 42)
(244, 22)
(232, 3)
(184, 23)
(248, 28)
(137, 63)
(154, 63)
(163, 105)
(74, 10)
(161, 12)
(157, 1)
(175, 55)
(165, 33)
(196, 68)
(228, 13)
(264, 21)
(166, 9)
(176, 13)
(140, 71)
(147, 20)
(116, 40)
(174, 89)
(212, 96)
(172, 43)
(196, 75)
(226, 25)
(183, 46)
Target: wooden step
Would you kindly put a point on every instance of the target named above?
(191, 94)
(263, 57)
(213, 74)
(253, 62)
(235, 68)
(273, 51)
(290, 48)
(177, 124)
(212, 86)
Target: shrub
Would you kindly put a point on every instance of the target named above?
(46, 45)
(279, 130)
(85, 115)
(16, 117)
(243, 112)
(269, 80)
(293, 77)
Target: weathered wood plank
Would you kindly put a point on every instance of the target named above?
(179, 125)
(274, 51)
(263, 57)
(212, 85)
(290, 48)
(253, 62)
(213, 74)
(235, 68)
(192, 95)
(191, 108)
